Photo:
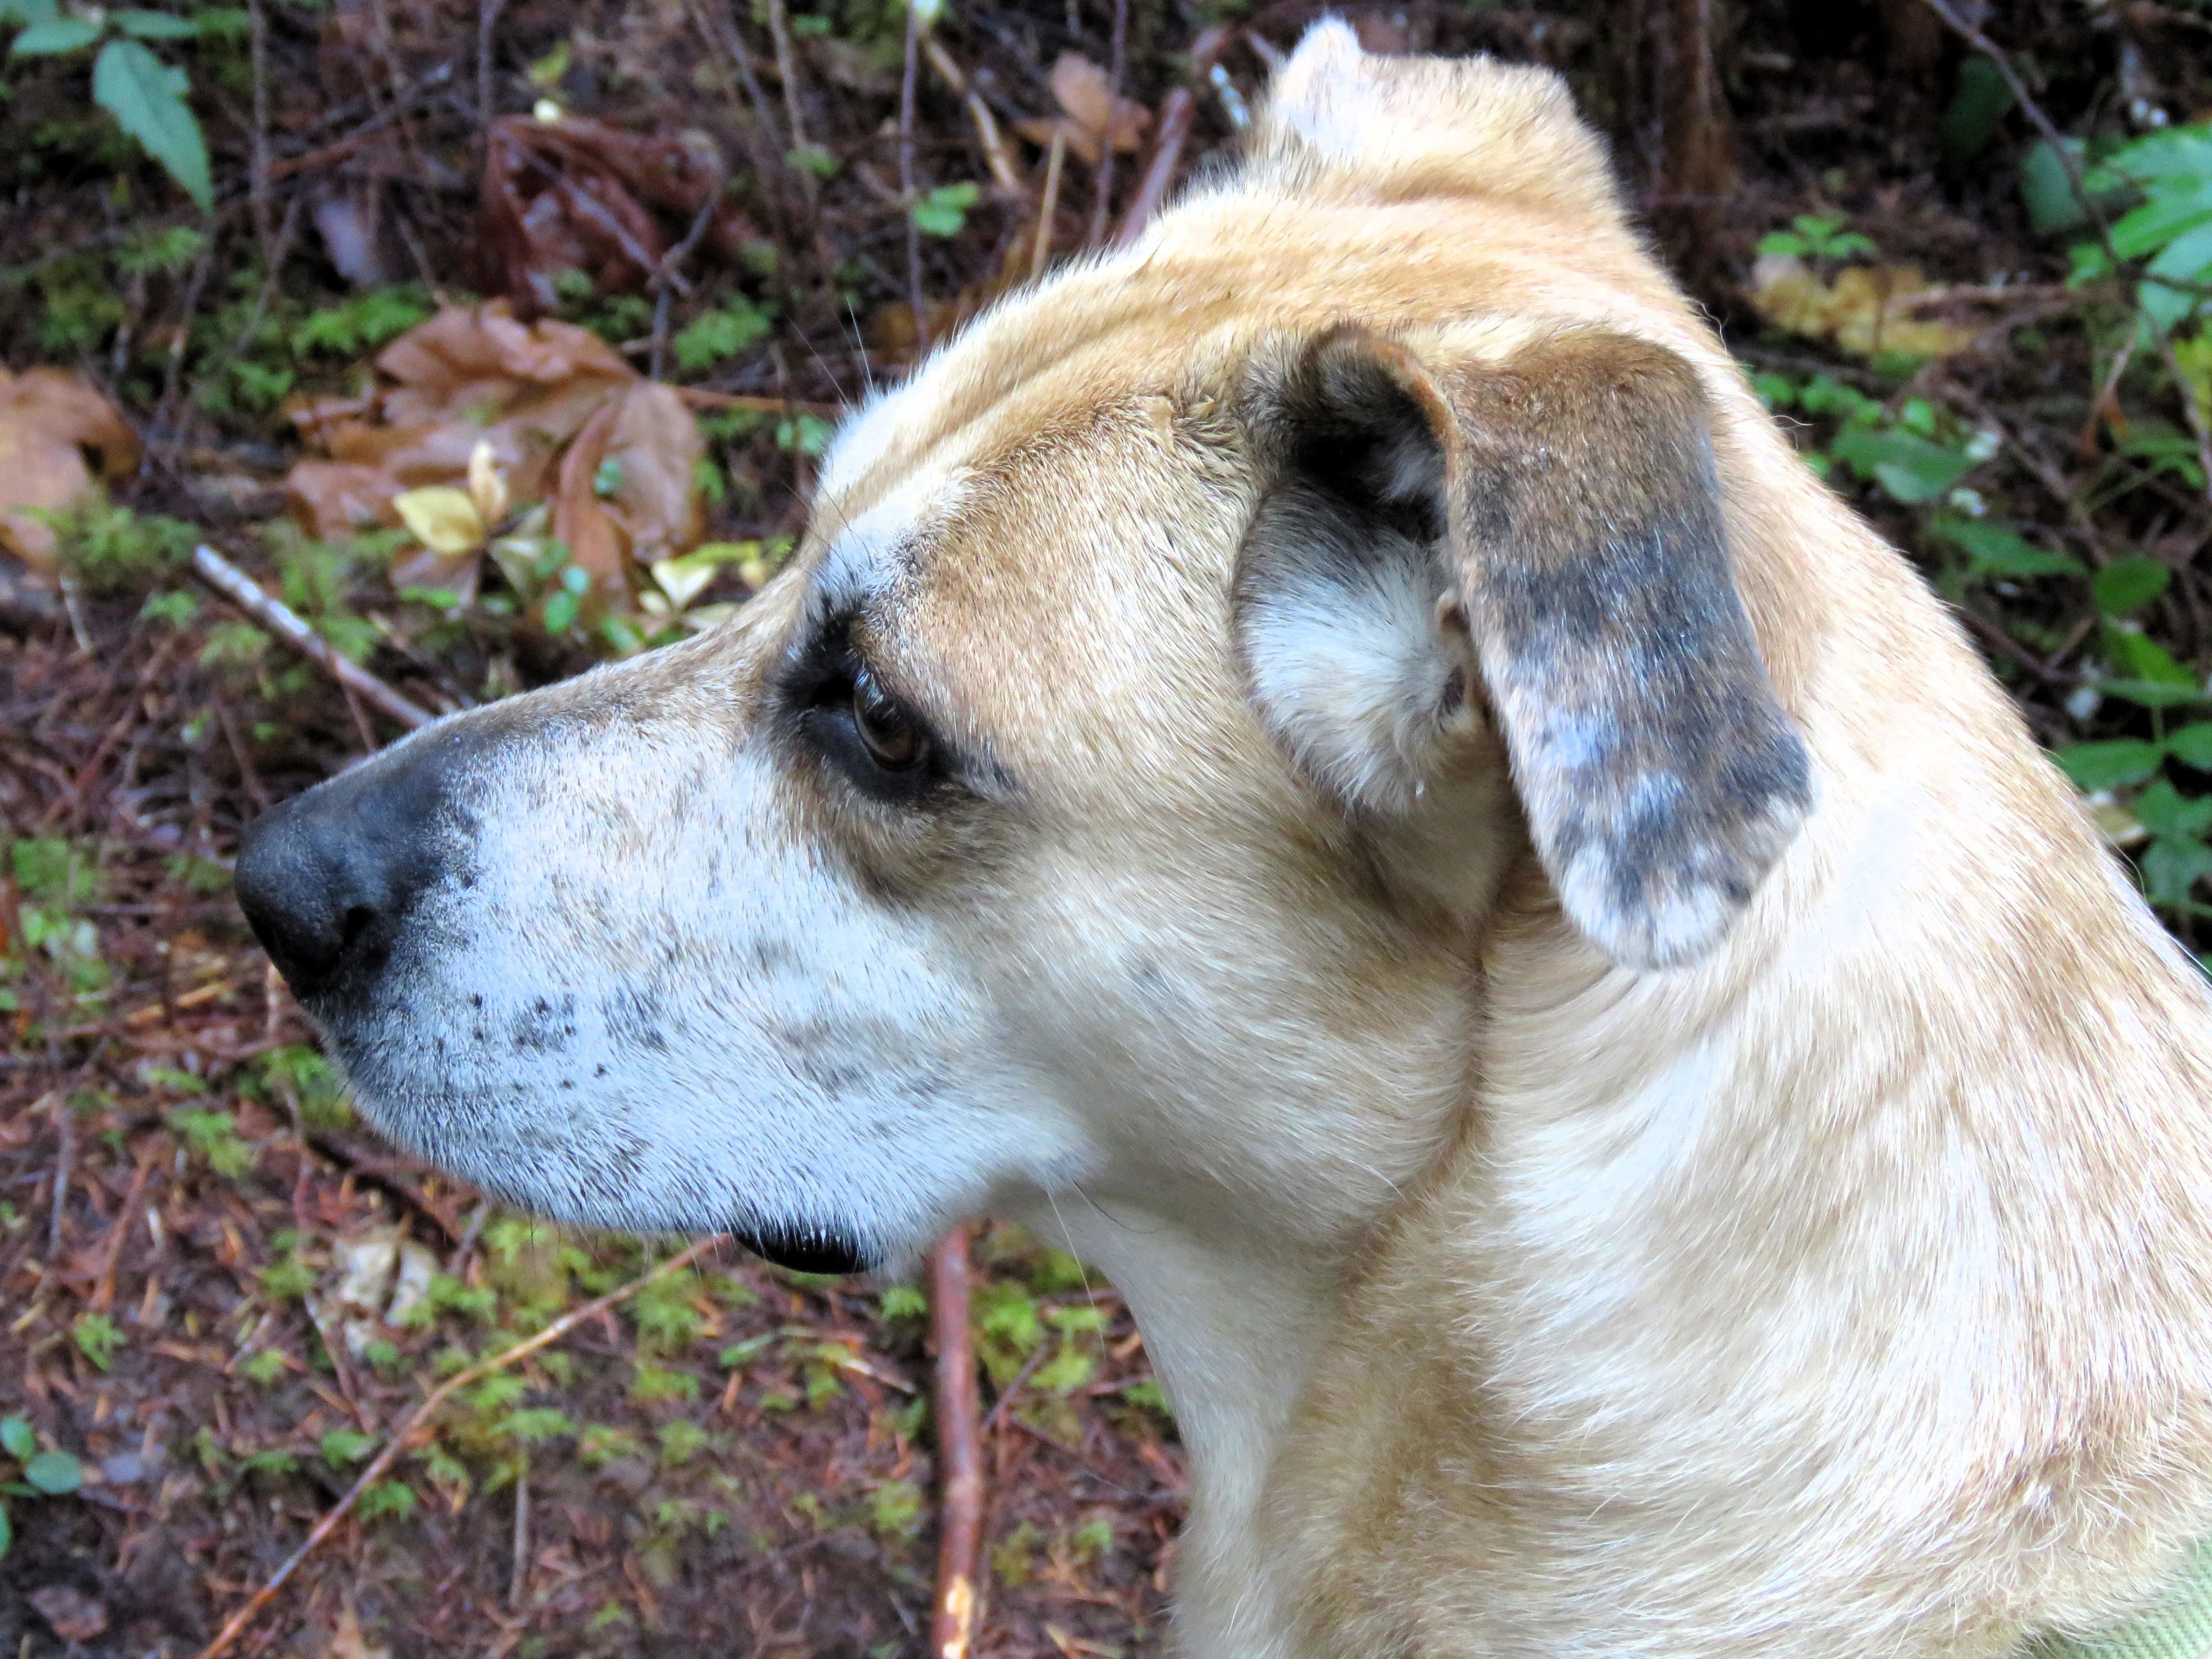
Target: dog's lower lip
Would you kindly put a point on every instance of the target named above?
(813, 1250)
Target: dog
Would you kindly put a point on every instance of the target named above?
(1335, 760)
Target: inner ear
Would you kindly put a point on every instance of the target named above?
(1355, 660)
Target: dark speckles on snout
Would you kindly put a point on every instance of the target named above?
(633, 1020)
(545, 1026)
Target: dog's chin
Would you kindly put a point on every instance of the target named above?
(806, 1249)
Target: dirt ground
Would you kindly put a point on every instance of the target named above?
(218, 1293)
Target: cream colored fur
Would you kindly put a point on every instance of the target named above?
(1846, 1292)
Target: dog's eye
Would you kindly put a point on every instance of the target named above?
(890, 735)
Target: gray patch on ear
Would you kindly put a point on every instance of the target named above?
(1661, 776)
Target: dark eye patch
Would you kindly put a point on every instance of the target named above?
(841, 708)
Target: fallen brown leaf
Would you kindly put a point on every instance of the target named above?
(572, 194)
(475, 399)
(1091, 113)
(347, 1641)
(75, 1616)
(49, 417)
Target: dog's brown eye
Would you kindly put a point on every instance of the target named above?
(888, 732)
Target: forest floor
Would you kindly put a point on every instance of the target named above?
(219, 1294)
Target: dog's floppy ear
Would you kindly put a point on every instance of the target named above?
(1567, 504)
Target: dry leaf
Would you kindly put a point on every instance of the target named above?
(1090, 112)
(443, 518)
(48, 418)
(75, 1616)
(347, 1641)
(481, 413)
(1867, 310)
(571, 194)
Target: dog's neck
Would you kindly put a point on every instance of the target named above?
(1231, 1332)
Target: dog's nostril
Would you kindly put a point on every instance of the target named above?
(356, 922)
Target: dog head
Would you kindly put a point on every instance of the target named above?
(1113, 793)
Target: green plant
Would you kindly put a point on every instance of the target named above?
(1813, 237)
(145, 95)
(39, 1474)
(943, 211)
(97, 1339)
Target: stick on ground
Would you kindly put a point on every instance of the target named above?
(280, 619)
(959, 1450)
(382, 1462)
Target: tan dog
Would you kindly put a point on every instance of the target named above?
(1336, 758)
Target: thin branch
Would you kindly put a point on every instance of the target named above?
(280, 619)
(787, 71)
(263, 204)
(996, 155)
(1116, 59)
(2077, 183)
(1176, 111)
(488, 13)
(1055, 161)
(960, 1537)
(665, 276)
(381, 1463)
(905, 182)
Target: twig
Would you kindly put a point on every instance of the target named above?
(1007, 1394)
(705, 399)
(2078, 184)
(905, 182)
(518, 1589)
(1115, 61)
(960, 1537)
(235, 1624)
(119, 1233)
(996, 155)
(787, 71)
(114, 735)
(664, 276)
(263, 205)
(1054, 162)
(1176, 110)
(64, 1155)
(280, 620)
(488, 13)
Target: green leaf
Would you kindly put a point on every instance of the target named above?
(2192, 745)
(2167, 214)
(944, 209)
(1992, 550)
(2127, 584)
(55, 1474)
(2107, 765)
(6, 1536)
(714, 335)
(146, 96)
(2153, 694)
(2139, 657)
(2047, 193)
(55, 35)
(17, 1440)
(154, 25)
(1782, 241)
(2172, 867)
(2164, 810)
(1911, 469)
(344, 1446)
(24, 12)
(1979, 106)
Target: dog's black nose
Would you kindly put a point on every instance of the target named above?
(327, 878)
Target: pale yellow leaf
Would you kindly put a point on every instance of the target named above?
(443, 518)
